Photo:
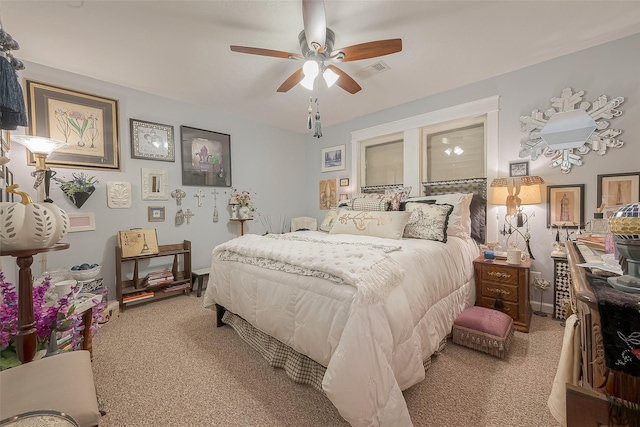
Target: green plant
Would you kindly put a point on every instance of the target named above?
(81, 183)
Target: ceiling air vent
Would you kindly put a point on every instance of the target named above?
(372, 70)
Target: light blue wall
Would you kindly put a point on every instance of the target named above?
(611, 69)
(263, 158)
(263, 161)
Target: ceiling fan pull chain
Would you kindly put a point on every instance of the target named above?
(309, 118)
(318, 127)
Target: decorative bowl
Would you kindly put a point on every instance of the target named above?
(89, 274)
(625, 223)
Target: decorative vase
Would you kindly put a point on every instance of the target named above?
(234, 211)
(52, 348)
(81, 197)
(244, 212)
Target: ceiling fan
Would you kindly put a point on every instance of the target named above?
(316, 44)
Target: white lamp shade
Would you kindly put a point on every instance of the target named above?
(39, 144)
(529, 195)
(307, 82)
(530, 190)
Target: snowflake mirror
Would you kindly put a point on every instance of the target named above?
(570, 129)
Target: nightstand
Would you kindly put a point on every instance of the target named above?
(504, 287)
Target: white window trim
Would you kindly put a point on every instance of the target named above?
(411, 128)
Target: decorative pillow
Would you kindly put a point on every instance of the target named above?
(329, 220)
(406, 191)
(403, 205)
(369, 204)
(428, 221)
(387, 224)
(394, 199)
(459, 220)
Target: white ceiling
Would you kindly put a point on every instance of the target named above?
(180, 49)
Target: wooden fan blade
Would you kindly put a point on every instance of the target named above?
(345, 81)
(315, 24)
(266, 52)
(367, 50)
(293, 80)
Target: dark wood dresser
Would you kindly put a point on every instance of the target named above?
(601, 389)
(504, 287)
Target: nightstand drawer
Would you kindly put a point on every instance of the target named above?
(498, 273)
(497, 290)
(509, 308)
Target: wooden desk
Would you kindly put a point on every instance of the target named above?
(241, 221)
(26, 337)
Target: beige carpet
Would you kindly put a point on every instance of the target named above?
(166, 364)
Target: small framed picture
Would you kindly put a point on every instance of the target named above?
(155, 184)
(519, 169)
(152, 141)
(156, 213)
(85, 221)
(565, 205)
(333, 158)
(618, 189)
(344, 182)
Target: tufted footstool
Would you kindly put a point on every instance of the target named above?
(484, 329)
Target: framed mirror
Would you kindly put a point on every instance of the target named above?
(570, 129)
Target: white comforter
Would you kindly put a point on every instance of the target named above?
(372, 350)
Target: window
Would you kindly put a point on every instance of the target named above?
(412, 164)
(383, 164)
(453, 154)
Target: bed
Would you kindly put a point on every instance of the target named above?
(353, 312)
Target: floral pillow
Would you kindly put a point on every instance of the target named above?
(428, 221)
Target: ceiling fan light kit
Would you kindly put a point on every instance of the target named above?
(316, 46)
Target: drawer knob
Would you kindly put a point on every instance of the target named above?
(499, 291)
(499, 274)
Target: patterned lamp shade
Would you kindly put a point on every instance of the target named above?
(625, 223)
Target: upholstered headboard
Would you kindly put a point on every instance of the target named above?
(478, 208)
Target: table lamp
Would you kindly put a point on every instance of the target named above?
(514, 193)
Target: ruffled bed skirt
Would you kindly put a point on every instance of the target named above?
(298, 367)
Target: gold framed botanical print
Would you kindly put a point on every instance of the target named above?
(87, 122)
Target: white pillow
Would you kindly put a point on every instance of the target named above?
(387, 224)
(428, 221)
(329, 220)
(460, 218)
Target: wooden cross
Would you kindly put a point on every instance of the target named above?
(188, 214)
(178, 194)
(199, 195)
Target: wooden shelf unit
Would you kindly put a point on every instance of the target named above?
(129, 286)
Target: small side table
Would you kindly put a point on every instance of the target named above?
(241, 221)
(504, 287)
(199, 275)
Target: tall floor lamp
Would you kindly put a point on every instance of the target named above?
(515, 193)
